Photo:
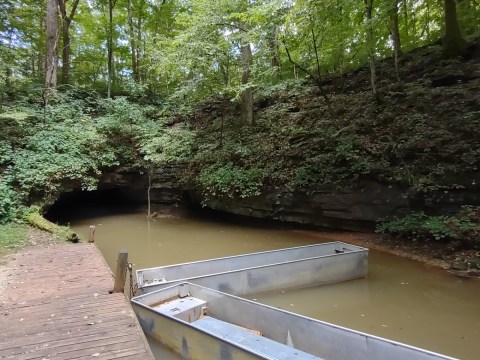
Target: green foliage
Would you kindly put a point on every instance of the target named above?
(418, 226)
(69, 143)
(6, 152)
(140, 136)
(343, 160)
(57, 146)
(135, 89)
(68, 151)
(168, 145)
(464, 226)
(231, 180)
(12, 237)
(190, 49)
(9, 203)
(45, 150)
(301, 143)
(122, 123)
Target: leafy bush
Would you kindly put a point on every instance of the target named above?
(168, 145)
(9, 203)
(43, 151)
(464, 226)
(124, 124)
(135, 89)
(69, 151)
(231, 180)
(5, 152)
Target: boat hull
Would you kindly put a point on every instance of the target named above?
(317, 339)
(247, 274)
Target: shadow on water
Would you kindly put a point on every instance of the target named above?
(79, 205)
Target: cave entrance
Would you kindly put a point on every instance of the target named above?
(78, 204)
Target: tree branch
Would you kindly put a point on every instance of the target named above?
(63, 10)
(314, 39)
(232, 26)
(74, 9)
(316, 79)
(295, 63)
(62, 4)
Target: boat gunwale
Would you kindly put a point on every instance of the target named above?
(255, 303)
(359, 249)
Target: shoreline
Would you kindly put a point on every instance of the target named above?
(429, 253)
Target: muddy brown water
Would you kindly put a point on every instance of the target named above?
(400, 299)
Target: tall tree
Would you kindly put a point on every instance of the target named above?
(51, 56)
(395, 34)
(247, 93)
(273, 41)
(453, 42)
(6, 42)
(246, 97)
(133, 48)
(66, 21)
(111, 5)
(371, 46)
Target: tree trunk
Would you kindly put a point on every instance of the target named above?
(9, 60)
(51, 56)
(139, 46)
(371, 48)
(453, 42)
(66, 21)
(405, 14)
(66, 53)
(131, 34)
(395, 32)
(225, 71)
(41, 55)
(34, 71)
(273, 44)
(247, 94)
(64, 233)
(8, 75)
(111, 5)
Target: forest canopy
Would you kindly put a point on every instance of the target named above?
(187, 50)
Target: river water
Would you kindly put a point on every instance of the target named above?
(400, 299)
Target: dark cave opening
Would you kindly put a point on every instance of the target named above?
(79, 204)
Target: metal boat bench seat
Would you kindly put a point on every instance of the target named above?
(248, 339)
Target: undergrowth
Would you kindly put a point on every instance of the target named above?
(13, 237)
(463, 227)
(300, 144)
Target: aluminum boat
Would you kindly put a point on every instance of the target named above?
(200, 323)
(246, 274)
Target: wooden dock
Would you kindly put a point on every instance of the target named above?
(54, 304)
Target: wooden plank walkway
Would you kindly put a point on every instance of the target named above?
(54, 304)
